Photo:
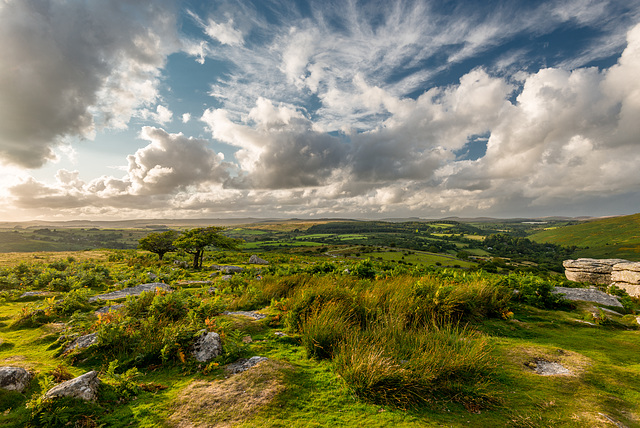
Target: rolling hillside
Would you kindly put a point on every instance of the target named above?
(616, 237)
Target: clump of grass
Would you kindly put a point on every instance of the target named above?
(306, 300)
(325, 327)
(391, 366)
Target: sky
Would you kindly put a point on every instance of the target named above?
(128, 109)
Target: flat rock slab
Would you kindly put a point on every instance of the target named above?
(131, 291)
(84, 387)
(194, 282)
(244, 364)
(107, 309)
(249, 314)
(14, 378)
(588, 295)
(34, 294)
(548, 368)
(228, 269)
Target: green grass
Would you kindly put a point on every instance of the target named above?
(617, 237)
(315, 236)
(351, 236)
(418, 257)
(276, 244)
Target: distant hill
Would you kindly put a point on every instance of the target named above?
(615, 237)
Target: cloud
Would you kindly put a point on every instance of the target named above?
(335, 112)
(161, 116)
(168, 165)
(281, 151)
(69, 68)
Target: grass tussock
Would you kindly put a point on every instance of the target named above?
(227, 402)
(391, 366)
(398, 341)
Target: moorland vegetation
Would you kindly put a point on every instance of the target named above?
(353, 337)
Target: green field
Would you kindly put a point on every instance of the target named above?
(617, 237)
(418, 257)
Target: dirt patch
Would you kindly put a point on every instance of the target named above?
(549, 361)
(225, 403)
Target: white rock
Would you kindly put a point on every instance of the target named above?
(84, 387)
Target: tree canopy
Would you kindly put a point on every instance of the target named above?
(195, 241)
(159, 243)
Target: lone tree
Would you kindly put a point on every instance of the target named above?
(159, 243)
(195, 241)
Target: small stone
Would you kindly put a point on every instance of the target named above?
(247, 339)
(83, 342)
(255, 260)
(280, 334)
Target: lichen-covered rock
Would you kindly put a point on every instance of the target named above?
(33, 294)
(82, 342)
(14, 378)
(131, 291)
(207, 347)
(626, 275)
(231, 269)
(594, 271)
(255, 260)
(588, 295)
(251, 314)
(244, 364)
(107, 309)
(84, 387)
